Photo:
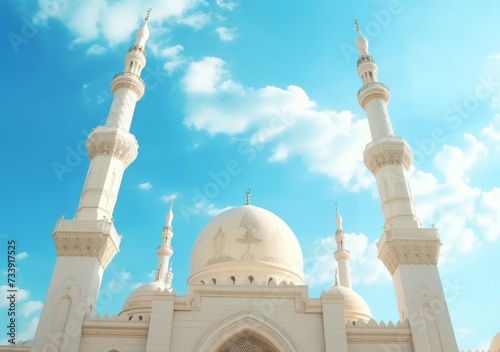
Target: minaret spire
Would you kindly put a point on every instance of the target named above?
(342, 255)
(408, 251)
(112, 148)
(387, 157)
(86, 244)
(165, 250)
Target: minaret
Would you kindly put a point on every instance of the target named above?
(409, 251)
(170, 277)
(112, 148)
(86, 244)
(165, 250)
(342, 255)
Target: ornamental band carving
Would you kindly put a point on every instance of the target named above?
(87, 238)
(387, 151)
(114, 142)
(400, 252)
(128, 80)
(373, 90)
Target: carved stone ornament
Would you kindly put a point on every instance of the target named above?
(246, 343)
(387, 151)
(409, 246)
(97, 239)
(112, 141)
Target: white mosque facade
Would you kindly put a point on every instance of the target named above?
(246, 289)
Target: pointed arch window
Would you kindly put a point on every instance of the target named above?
(247, 343)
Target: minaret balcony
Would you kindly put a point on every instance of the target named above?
(364, 59)
(138, 49)
(112, 141)
(373, 90)
(87, 238)
(409, 246)
(387, 151)
(128, 80)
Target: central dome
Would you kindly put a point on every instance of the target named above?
(246, 245)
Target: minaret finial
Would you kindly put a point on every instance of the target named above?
(248, 191)
(170, 214)
(147, 14)
(357, 25)
(338, 218)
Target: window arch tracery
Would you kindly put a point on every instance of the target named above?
(246, 343)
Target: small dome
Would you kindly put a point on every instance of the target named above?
(495, 343)
(355, 306)
(141, 299)
(246, 245)
(362, 45)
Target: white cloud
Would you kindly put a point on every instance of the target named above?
(492, 130)
(494, 56)
(488, 214)
(366, 268)
(169, 197)
(96, 50)
(152, 275)
(137, 285)
(145, 186)
(464, 214)
(285, 120)
(125, 275)
(21, 255)
(226, 5)
(453, 161)
(91, 19)
(205, 207)
(28, 332)
(171, 51)
(204, 75)
(197, 20)
(31, 306)
(20, 295)
(175, 59)
(226, 34)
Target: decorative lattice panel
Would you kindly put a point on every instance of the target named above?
(247, 343)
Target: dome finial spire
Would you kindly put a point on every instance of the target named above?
(248, 191)
(147, 14)
(336, 277)
(357, 25)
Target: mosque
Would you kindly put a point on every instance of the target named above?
(246, 289)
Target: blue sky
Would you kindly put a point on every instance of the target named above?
(218, 72)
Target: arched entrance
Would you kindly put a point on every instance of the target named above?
(247, 331)
(247, 343)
